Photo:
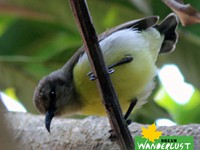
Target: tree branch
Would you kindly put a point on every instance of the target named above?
(6, 140)
(187, 14)
(99, 68)
(90, 133)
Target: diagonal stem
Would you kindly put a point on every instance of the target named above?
(100, 70)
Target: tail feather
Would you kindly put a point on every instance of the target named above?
(168, 28)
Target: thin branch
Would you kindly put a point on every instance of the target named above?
(24, 12)
(99, 68)
(187, 14)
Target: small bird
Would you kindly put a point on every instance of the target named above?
(130, 51)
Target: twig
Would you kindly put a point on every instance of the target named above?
(99, 68)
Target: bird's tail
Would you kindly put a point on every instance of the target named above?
(168, 28)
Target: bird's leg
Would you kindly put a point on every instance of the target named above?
(126, 59)
(128, 112)
(112, 136)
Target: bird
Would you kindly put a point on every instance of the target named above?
(130, 51)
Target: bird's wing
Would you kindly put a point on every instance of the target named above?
(139, 24)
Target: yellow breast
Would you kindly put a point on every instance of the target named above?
(129, 80)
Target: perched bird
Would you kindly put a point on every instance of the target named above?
(130, 51)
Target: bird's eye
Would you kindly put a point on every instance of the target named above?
(52, 94)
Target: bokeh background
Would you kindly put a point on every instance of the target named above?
(38, 37)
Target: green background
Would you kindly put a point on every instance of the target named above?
(37, 37)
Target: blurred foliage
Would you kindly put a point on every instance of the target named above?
(11, 93)
(37, 37)
(185, 113)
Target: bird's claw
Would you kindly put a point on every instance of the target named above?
(92, 77)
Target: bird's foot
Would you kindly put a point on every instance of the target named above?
(113, 136)
(126, 59)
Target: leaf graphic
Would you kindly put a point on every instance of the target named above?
(150, 133)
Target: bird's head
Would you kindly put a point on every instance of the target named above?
(54, 96)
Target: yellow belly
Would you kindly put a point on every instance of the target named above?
(129, 81)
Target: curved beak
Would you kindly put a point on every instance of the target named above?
(48, 118)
